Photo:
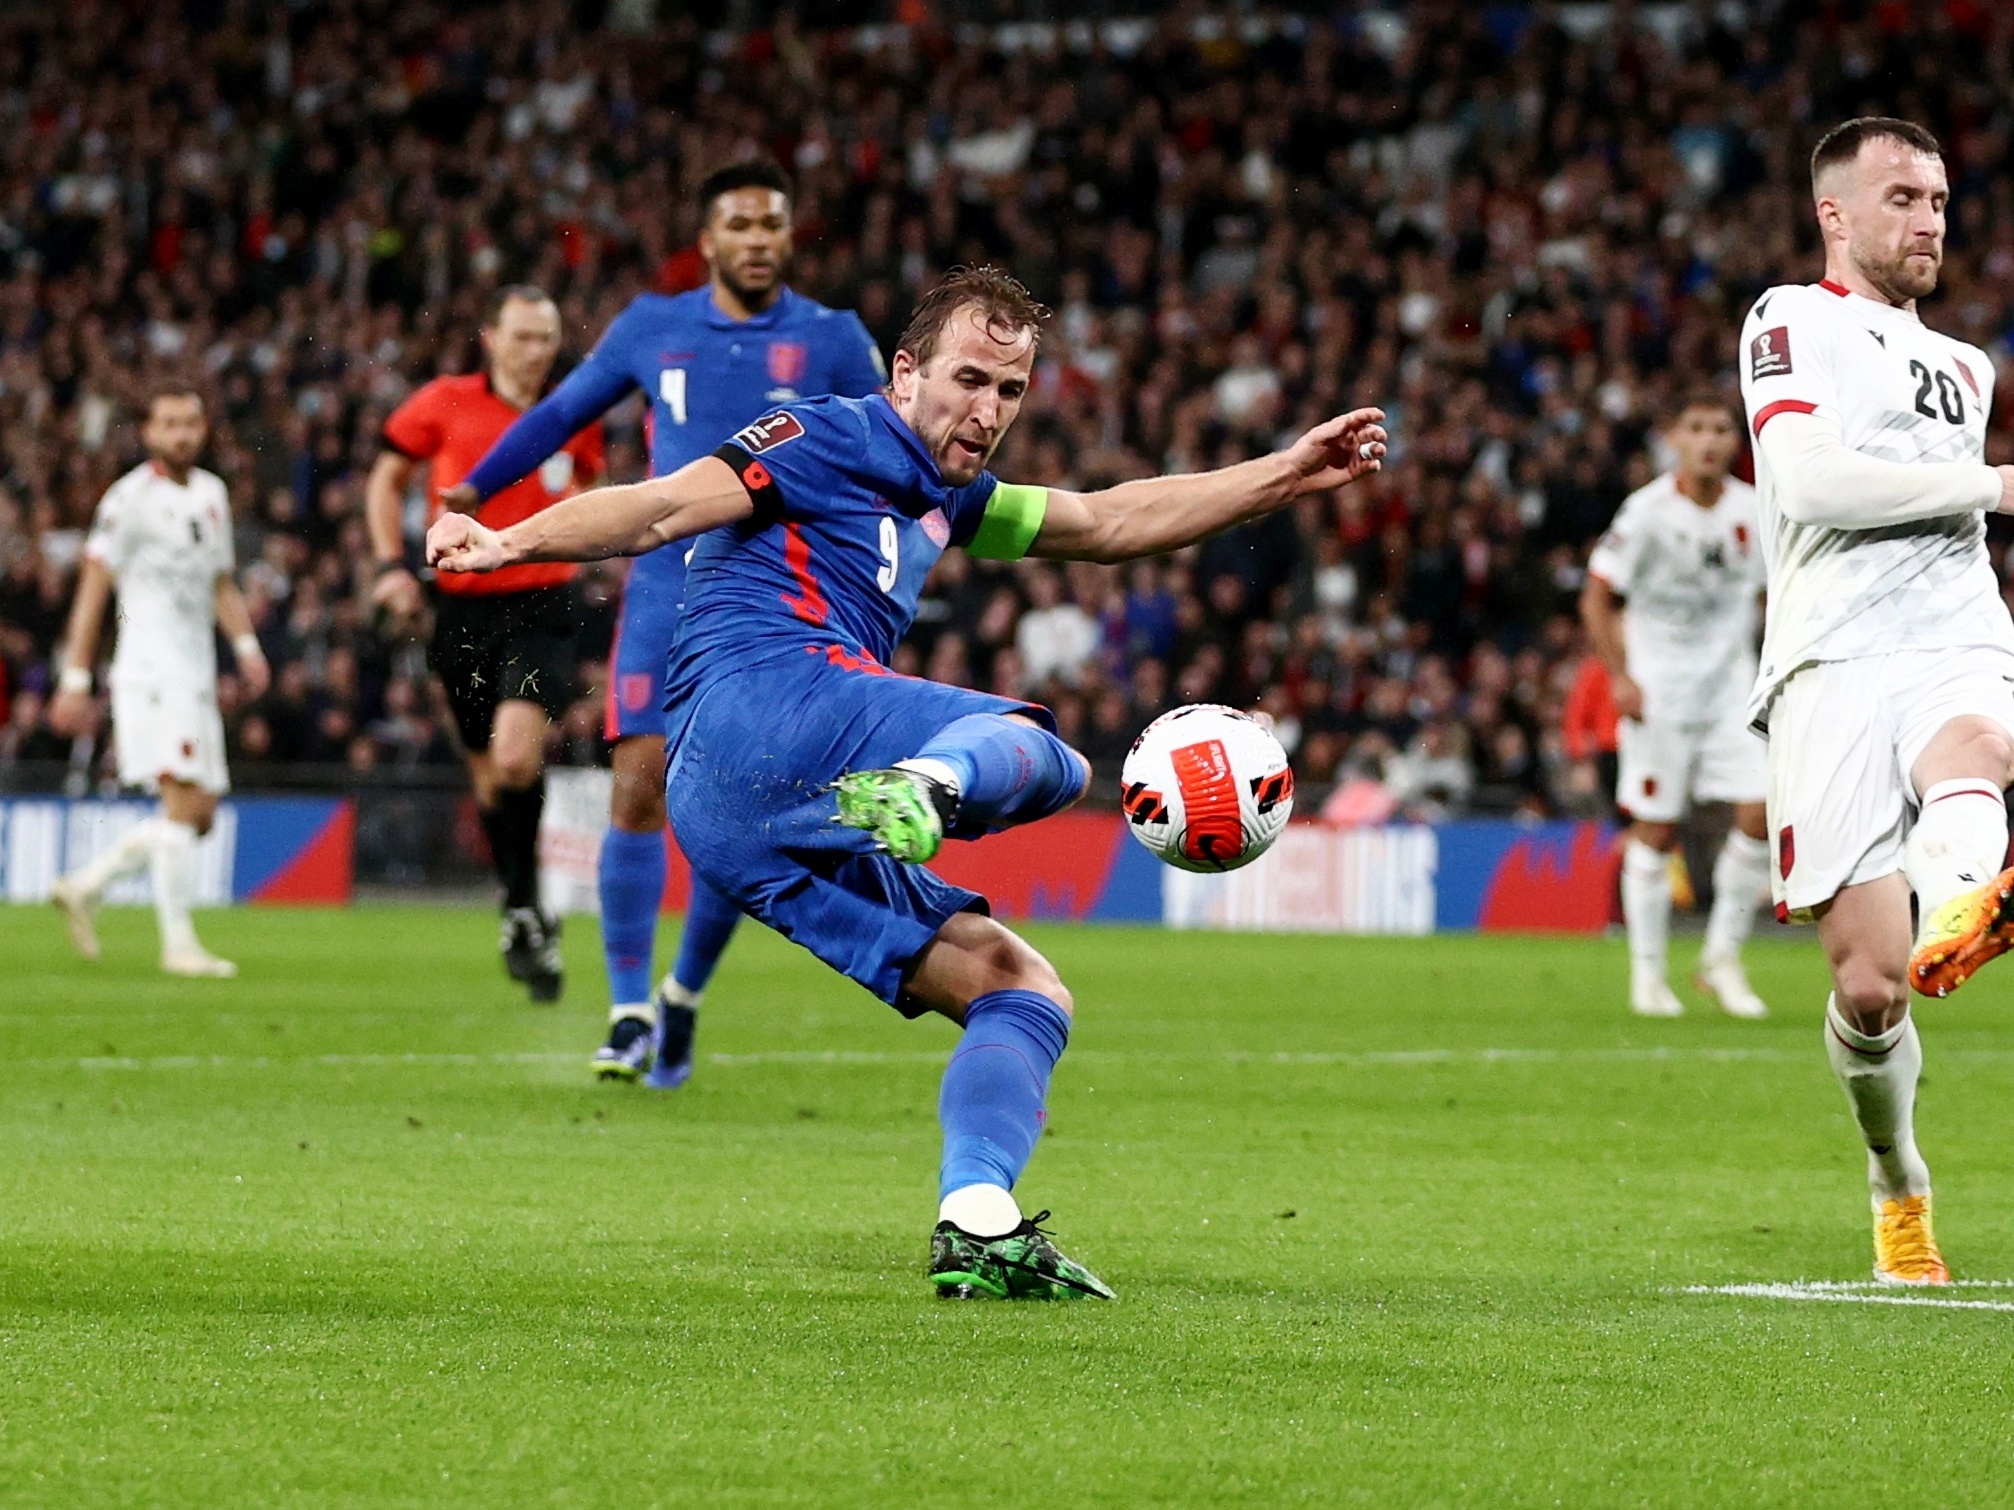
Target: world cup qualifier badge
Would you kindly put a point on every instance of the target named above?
(1769, 354)
(769, 431)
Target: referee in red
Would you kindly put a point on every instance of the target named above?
(502, 645)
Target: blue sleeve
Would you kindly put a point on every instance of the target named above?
(857, 369)
(589, 391)
(966, 507)
(793, 460)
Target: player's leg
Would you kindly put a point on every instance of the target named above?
(1734, 767)
(187, 813)
(1838, 809)
(515, 775)
(651, 1034)
(1651, 782)
(1871, 1042)
(1016, 1015)
(1957, 853)
(980, 772)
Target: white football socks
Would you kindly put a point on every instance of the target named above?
(1646, 908)
(174, 861)
(981, 1210)
(1879, 1073)
(646, 1011)
(131, 853)
(1740, 876)
(1959, 841)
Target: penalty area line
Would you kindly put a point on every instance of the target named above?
(1865, 1292)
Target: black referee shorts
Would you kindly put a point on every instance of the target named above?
(490, 648)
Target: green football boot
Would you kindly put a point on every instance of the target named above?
(1023, 1265)
(906, 811)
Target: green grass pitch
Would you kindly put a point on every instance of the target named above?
(1393, 1223)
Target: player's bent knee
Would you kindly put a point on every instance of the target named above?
(1869, 996)
(1009, 962)
(1658, 836)
(515, 769)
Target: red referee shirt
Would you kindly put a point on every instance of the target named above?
(449, 424)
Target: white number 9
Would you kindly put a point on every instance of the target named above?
(891, 555)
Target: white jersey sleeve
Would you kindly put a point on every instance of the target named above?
(115, 537)
(1618, 555)
(222, 548)
(1789, 357)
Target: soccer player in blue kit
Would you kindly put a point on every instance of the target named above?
(711, 361)
(808, 781)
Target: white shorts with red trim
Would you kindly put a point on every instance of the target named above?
(1843, 738)
(168, 731)
(1662, 767)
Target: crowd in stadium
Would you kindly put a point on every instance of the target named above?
(1242, 227)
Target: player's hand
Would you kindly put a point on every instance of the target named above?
(1337, 452)
(397, 592)
(1627, 695)
(72, 713)
(460, 499)
(457, 543)
(2006, 505)
(256, 674)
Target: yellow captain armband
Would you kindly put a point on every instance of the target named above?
(1013, 519)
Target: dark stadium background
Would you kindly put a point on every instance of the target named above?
(1519, 228)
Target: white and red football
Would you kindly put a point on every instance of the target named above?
(1206, 787)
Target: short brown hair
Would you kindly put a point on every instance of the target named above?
(1005, 305)
(173, 386)
(526, 293)
(1843, 142)
(1699, 396)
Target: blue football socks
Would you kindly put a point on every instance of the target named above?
(709, 923)
(995, 1085)
(632, 887)
(1007, 772)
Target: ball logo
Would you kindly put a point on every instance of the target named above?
(771, 430)
(1216, 831)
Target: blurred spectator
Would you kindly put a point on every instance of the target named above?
(1516, 228)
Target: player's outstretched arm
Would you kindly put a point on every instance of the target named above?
(618, 521)
(586, 393)
(1159, 514)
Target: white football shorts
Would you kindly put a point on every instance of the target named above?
(1843, 737)
(1661, 767)
(168, 731)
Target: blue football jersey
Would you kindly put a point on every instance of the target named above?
(707, 375)
(850, 515)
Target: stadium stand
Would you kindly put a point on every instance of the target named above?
(1244, 222)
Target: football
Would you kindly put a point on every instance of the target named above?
(1206, 788)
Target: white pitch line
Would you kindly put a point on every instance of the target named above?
(1389, 1057)
(1862, 1293)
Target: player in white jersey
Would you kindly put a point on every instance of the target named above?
(1887, 678)
(1684, 553)
(162, 540)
